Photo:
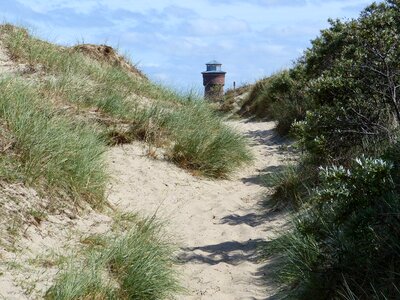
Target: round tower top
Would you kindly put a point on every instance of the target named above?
(213, 62)
(214, 67)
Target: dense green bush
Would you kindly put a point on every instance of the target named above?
(349, 238)
(348, 78)
(354, 105)
(345, 240)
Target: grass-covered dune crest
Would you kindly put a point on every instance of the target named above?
(61, 109)
(109, 96)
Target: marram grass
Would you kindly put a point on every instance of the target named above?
(51, 149)
(193, 135)
(137, 265)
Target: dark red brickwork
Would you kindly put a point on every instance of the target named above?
(213, 78)
(213, 85)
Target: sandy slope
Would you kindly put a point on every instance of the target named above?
(218, 224)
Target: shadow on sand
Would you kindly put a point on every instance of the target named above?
(275, 144)
(265, 216)
(232, 253)
(267, 137)
(237, 252)
(258, 178)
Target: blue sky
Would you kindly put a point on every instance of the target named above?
(170, 40)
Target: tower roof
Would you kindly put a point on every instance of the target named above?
(213, 62)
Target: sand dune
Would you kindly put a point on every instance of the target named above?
(218, 224)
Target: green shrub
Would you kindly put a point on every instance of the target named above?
(349, 238)
(345, 241)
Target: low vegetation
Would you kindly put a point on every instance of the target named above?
(279, 97)
(340, 102)
(49, 150)
(234, 98)
(137, 265)
(130, 105)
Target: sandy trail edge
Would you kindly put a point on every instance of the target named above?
(218, 224)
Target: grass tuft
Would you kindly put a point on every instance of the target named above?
(137, 265)
(51, 149)
(215, 150)
(290, 186)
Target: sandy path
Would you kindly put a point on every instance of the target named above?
(218, 224)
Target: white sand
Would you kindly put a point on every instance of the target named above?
(218, 224)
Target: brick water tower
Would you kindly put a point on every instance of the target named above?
(213, 81)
